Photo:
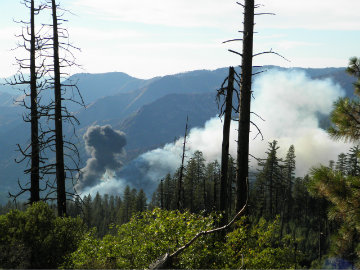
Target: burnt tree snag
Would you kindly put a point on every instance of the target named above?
(35, 149)
(60, 169)
(244, 105)
(32, 42)
(225, 143)
(180, 198)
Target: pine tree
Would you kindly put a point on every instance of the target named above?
(341, 163)
(290, 166)
(98, 214)
(195, 186)
(88, 211)
(168, 192)
(353, 166)
(141, 201)
(345, 115)
(341, 190)
(269, 182)
(126, 207)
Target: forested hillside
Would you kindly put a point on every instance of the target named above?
(242, 167)
(119, 100)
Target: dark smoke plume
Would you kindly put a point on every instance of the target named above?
(105, 146)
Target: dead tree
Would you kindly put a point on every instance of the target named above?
(44, 64)
(227, 112)
(244, 121)
(35, 161)
(180, 198)
(60, 167)
(32, 42)
(244, 105)
(58, 54)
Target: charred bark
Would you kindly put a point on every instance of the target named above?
(35, 158)
(244, 105)
(60, 169)
(180, 198)
(225, 146)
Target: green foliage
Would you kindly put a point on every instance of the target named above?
(345, 119)
(151, 234)
(36, 238)
(354, 70)
(343, 192)
(148, 235)
(261, 247)
(102, 211)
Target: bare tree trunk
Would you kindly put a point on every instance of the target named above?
(60, 170)
(180, 199)
(162, 194)
(35, 150)
(215, 208)
(225, 146)
(244, 105)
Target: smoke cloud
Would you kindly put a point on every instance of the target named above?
(105, 146)
(288, 101)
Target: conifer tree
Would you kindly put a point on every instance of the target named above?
(290, 166)
(141, 201)
(126, 205)
(353, 166)
(271, 172)
(342, 190)
(345, 115)
(341, 163)
(88, 211)
(168, 192)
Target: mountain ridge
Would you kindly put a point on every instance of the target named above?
(131, 105)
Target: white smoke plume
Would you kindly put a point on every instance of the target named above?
(288, 101)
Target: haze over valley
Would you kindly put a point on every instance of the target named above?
(151, 114)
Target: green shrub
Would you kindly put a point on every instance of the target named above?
(260, 247)
(147, 236)
(36, 238)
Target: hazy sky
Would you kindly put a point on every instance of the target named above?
(147, 38)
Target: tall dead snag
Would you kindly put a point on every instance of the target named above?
(180, 198)
(60, 168)
(244, 105)
(32, 42)
(225, 144)
(58, 57)
(242, 167)
(35, 149)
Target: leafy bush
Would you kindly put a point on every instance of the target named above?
(151, 234)
(147, 236)
(36, 238)
(260, 247)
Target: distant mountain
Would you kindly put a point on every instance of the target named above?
(151, 112)
(161, 121)
(95, 86)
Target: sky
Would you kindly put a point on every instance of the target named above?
(146, 38)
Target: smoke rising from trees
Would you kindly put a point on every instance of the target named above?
(288, 101)
(105, 146)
